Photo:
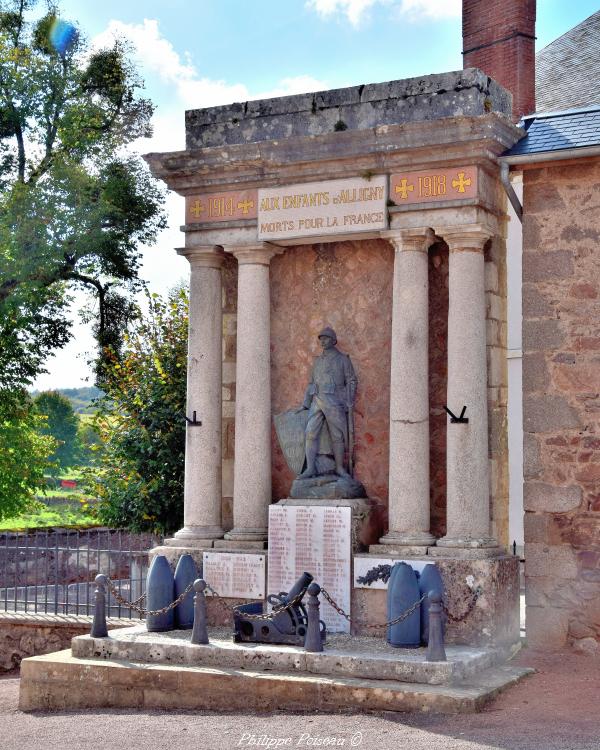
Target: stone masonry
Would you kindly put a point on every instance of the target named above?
(23, 635)
(561, 403)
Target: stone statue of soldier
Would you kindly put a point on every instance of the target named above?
(316, 437)
(329, 398)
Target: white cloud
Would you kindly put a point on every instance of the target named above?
(412, 10)
(159, 58)
(418, 10)
(353, 9)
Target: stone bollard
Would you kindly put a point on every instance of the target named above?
(435, 646)
(199, 631)
(313, 641)
(99, 629)
(429, 580)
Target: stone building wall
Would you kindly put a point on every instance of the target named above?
(23, 635)
(561, 403)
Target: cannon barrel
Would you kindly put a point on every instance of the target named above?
(298, 588)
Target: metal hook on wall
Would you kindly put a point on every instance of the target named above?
(193, 422)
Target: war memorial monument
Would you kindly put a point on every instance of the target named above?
(347, 366)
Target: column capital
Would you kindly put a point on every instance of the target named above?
(207, 256)
(410, 240)
(465, 237)
(257, 254)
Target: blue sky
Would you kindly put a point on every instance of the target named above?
(195, 53)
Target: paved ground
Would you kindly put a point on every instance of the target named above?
(556, 709)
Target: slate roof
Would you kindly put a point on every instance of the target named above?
(568, 69)
(556, 131)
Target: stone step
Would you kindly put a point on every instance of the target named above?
(62, 681)
(344, 655)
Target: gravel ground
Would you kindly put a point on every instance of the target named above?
(555, 709)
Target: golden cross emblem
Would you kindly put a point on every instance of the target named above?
(461, 182)
(404, 188)
(245, 206)
(197, 209)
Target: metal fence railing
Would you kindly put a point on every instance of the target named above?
(52, 572)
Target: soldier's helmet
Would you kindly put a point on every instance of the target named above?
(327, 331)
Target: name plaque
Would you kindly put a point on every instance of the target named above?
(434, 185)
(315, 540)
(322, 208)
(229, 206)
(364, 565)
(238, 576)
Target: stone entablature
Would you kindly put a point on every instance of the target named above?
(460, 93)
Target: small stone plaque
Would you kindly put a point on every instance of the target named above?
(433, 185)
(211, 207)
(235, 575)
(316, 540)
(322, 208)
(362, 565)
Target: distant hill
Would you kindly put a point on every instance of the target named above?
(80, 398)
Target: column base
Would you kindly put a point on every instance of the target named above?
(191, 533)
(247, 535)
(408, 539)
(467, 542)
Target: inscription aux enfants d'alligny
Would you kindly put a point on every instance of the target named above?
(348, 206)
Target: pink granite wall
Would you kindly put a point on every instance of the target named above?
(349, 285)
(438, 377)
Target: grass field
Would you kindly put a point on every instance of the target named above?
(73, 512)
(59, 515)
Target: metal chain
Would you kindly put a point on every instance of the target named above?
(283, 607)
(405, 615)
(246, 615)
(470, 607)
(134, 605)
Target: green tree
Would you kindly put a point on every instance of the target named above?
(90, 441)
(75, 203)
(24, 453)
(139, 474)
(62, 424)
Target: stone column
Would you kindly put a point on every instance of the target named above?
(409, 392)
(467, 462)
(202, 488)
(252, 464)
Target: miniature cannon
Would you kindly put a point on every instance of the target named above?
(286, 626)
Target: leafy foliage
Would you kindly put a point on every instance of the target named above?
(90, 441)
(24, 453)
(139, 474)
(74, 204)
(62, 423)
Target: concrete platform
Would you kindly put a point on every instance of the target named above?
(135, 669)
(62, 681)
(346, 655)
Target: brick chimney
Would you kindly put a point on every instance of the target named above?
(499, 38)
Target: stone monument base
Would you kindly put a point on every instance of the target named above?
(494, 619)
(327, 487)
(136, 669)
